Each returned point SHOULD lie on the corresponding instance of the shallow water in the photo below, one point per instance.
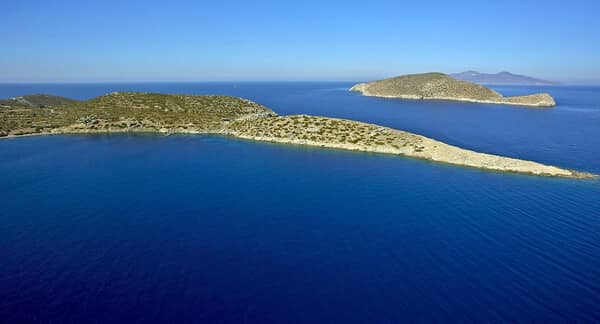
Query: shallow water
(215, 229)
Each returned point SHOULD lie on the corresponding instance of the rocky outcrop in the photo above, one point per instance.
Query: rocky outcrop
(438, 86)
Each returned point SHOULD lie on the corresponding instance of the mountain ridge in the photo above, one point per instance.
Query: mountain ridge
(36, 101)
(500, 78)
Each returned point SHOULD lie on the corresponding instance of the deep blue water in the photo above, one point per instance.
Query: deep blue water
(214, 229)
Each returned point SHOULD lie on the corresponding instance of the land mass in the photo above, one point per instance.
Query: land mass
(439, 86)
(35, 101)
(501, 78)
(230, 116)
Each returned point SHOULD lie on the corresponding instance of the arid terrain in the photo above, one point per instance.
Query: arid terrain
(439, 86)
(181, 114)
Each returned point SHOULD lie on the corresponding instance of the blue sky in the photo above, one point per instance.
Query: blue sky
(74, 41)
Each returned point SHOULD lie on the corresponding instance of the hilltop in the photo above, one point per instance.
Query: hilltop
(131, 112)
(180, 114)
(439, 86)
(501, 78)
(35, 101)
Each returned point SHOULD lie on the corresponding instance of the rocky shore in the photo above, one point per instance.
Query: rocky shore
(357, 136)
(438, 86)
(170, 114)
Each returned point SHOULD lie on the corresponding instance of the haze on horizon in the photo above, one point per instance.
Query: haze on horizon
(88, 41)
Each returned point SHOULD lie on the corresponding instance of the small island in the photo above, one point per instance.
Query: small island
(439, 86)
(130, 112)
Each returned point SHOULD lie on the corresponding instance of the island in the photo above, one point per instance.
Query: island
(129, 112)
(500, 78)
(439, 86)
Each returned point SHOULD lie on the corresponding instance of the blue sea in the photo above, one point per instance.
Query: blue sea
(209, 229)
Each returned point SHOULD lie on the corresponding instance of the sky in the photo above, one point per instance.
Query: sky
(228, 40)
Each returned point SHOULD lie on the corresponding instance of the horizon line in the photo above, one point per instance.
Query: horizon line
(557, 83)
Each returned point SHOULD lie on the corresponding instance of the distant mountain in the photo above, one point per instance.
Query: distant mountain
(499, 78)
(35, 101)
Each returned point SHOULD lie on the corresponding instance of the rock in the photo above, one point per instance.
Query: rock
(88, 120)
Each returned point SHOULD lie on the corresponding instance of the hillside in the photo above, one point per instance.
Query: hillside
(501, 78)
(131, 111)
(439, 86)
(35, 101)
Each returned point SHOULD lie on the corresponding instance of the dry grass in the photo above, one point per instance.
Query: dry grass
(131, 110)
(324, 130)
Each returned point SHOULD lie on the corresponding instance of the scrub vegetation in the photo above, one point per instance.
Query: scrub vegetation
(181, 114)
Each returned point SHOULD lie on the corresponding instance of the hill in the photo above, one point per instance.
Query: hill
(131, 112)
(35, 101)
(501, 78)
(439, 86)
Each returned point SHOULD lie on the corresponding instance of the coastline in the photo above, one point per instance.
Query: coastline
(509, 165)
(438, 86)
(577, 175)
(123, 113)
(494, 102)
(419, 147)
(108, 132)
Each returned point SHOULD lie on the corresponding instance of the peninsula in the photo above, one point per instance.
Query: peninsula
(439, 86)
(230, 116)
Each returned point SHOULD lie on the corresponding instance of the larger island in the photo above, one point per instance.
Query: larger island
(439, 86)
(128, 112)
(500, 78)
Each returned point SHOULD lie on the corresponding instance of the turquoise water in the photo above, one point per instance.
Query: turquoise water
(214, 229)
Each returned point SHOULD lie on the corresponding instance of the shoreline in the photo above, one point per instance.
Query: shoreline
(469, 100)
(147, 113)
(439, 86)
(559, 172)
(108, 132)
(577, 175)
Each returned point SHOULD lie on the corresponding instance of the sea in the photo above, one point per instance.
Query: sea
(211, 229)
